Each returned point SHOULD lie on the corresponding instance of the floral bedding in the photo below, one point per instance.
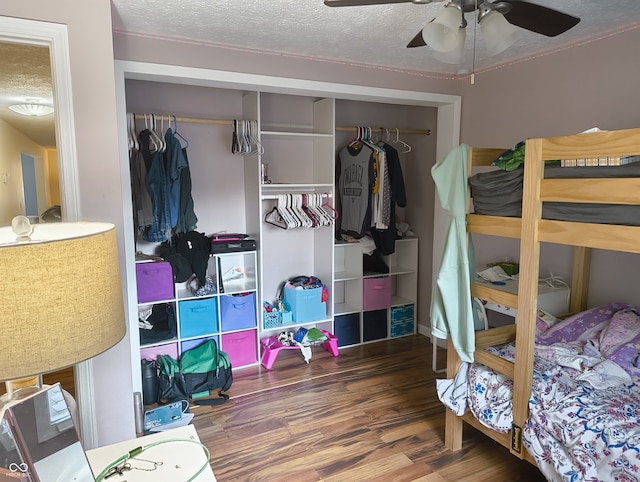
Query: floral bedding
(584, 420)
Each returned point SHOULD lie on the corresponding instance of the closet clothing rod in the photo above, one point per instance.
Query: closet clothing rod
(421, 132)
(229, 122)
(191, 120)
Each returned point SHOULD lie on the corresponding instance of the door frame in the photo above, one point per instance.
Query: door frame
(447, 133)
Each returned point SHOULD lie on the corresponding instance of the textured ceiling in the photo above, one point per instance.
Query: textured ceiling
(26, 74)
(368, 35)
(374, 34)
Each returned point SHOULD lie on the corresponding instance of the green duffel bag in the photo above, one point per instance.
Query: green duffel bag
(201, 371)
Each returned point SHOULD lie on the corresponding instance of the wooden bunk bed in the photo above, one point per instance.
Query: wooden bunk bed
(532, 230)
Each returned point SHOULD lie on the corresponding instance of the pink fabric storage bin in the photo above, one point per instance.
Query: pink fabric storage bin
(241, 346)
(152, 352)
(376, 293)
(154, 282)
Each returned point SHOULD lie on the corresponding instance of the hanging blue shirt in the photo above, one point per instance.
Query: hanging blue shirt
(174, 162)
(160, 229)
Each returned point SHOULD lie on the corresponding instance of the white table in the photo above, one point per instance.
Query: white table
(180, 460)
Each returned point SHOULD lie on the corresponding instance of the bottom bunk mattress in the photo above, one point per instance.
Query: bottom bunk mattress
(584, 422)
(499, 193)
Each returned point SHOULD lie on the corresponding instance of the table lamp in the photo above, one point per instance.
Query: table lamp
(61, 295)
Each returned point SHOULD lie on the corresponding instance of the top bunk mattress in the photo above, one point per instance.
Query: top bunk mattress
(499, 193)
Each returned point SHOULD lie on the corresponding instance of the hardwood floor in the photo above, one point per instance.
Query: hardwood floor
(370, 414)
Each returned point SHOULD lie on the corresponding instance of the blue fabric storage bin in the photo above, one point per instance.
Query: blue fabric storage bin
(402, 320)
(238, 312)
(198, 317)
(305, 305)
(347, 329)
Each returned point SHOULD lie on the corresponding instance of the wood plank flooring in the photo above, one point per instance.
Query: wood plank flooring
(370, 414)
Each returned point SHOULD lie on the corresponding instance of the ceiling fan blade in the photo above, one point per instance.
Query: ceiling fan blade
(357, 3)
(539, 19)
(417, 41)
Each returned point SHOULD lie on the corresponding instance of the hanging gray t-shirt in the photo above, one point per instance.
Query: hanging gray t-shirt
(354, 187)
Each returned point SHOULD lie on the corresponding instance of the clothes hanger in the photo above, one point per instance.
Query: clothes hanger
(244, 138)
(327, 221)
(366, 138)
(325, 204)
(131, 132)
(256, 146)
(162, 133)
(399, 141)
(177, 134)
(355, 142)
(157, 139)
(235, 145)
(314, 216)
(153, 145)
(302, 215)
(284, 211)
(291, 209)
(315, 202)
(273, 217)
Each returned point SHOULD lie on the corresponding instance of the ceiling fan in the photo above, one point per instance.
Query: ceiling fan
(446, 32)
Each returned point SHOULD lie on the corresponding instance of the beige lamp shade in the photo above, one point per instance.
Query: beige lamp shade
(61, 297)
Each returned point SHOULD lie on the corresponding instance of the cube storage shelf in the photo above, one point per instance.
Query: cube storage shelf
(228, 316)
(374, 306)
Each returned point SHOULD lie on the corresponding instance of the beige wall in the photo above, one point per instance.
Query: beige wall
(53, 177)
(592, 85)
(192, 55)
(12, 144)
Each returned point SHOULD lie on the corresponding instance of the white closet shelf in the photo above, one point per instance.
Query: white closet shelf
(400, 301)
(345, 309)
(272, 189)
(345, 276)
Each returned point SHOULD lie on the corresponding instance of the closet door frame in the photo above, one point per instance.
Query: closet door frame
(447, 137)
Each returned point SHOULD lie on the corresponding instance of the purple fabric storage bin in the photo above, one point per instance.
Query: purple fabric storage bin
(189, 344)
(154, 282)
(238, 312)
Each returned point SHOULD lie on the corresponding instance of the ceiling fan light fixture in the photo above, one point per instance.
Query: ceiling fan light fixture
(32, 110)
(441, 34)
(498, 34)
(456, 55)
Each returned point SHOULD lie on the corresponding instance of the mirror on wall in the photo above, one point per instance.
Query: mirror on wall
(29, 183)
(36, 53)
